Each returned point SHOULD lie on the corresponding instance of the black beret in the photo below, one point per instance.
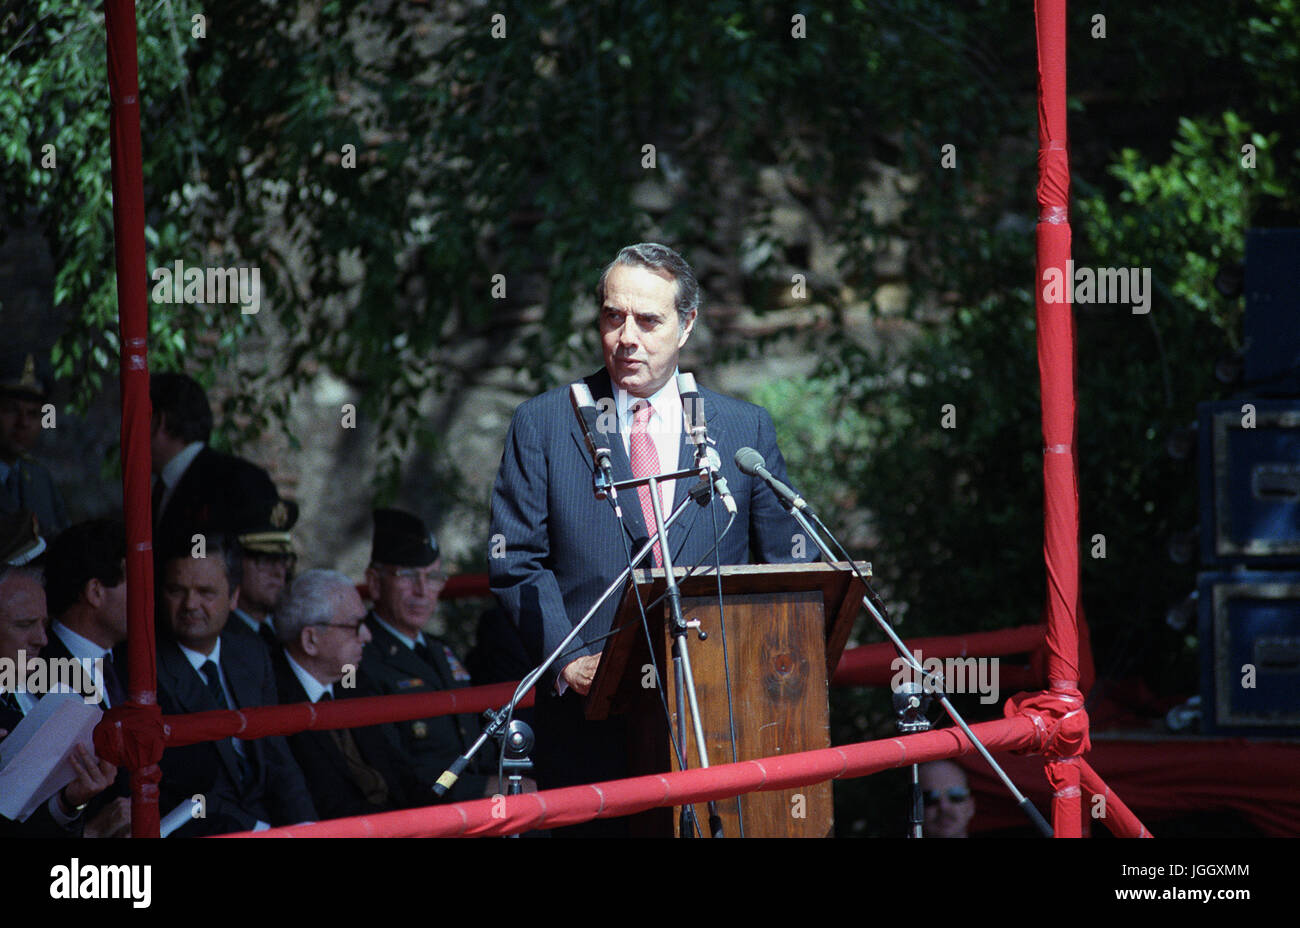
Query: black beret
(402, 540)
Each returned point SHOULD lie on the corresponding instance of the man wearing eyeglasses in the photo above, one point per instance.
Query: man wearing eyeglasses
(404, 580)
(349, 771)
(949, 806)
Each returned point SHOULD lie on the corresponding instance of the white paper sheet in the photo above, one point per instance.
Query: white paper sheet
(34, 762)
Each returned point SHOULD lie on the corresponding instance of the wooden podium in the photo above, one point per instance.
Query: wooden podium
(786, 625)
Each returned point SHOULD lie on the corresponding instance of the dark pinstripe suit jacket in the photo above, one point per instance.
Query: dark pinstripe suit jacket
(562, 546)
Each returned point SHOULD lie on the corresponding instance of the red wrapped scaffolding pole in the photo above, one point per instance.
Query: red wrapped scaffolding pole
(133, 321)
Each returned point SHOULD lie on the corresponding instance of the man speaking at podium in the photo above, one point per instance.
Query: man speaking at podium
(555, 547)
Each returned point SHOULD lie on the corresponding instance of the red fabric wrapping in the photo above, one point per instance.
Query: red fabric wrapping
(1038, 660)
(130, 735)
(1063, 775)
(557, 808)
(1118, 817)
(1056, 351)
(1163, 777)
(1058, 717)
(871, 664)
(344, 713)
(133, 320)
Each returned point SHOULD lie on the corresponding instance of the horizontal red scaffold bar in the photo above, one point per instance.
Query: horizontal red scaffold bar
(558, 808)
(262, 721)
(873, 664)
(869, 664)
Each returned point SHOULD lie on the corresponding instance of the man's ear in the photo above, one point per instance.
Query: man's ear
(93, 593)
(687, 328)
(307, 641)
(234, 599)
(372, 584)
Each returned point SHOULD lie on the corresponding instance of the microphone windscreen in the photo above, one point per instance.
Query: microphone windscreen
(749, 461)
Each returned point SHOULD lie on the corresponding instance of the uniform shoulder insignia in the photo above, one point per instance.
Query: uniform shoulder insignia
(409, 683)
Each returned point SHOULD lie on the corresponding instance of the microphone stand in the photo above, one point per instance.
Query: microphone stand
(877, 610)
(684, 678)
(910, 703)
(500, 718)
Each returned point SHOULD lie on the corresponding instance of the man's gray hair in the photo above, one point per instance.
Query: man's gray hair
(308, 601)
(660, 259)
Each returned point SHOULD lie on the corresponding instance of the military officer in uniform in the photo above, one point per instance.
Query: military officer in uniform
(25, 484)
(404, 579)
(263, 529)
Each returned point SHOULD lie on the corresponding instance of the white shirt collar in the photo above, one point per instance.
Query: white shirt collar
(313, 687)
(198, 659)
(666, 403)
(404, 639)
(78, 645)
(174, 469)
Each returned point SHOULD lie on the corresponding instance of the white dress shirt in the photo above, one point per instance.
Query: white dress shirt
(84, 650)
(314, 688)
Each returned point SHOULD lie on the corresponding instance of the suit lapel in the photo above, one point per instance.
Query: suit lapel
(681, 532)
(236, 664)
(191, 695)
(602, 391)
(399, 655)
(290, 691)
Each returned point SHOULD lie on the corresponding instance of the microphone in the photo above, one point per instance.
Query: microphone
(584, 407)
(751, 462)
(693, 412)
(698, 433)
(713, 462)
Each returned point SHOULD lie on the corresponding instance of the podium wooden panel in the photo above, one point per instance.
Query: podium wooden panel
(786, 626)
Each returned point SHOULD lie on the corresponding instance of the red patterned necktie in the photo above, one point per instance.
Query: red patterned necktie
(645, 463)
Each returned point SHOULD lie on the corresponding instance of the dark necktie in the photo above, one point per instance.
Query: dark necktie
(267, 636)
(423, 653)
(213, 675)
(367, 779)
(14, 486)
(645, 463)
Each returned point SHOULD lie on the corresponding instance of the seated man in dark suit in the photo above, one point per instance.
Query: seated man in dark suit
(262, 529)
(404, 579)
(243, 785)
(197, 488)
(22, 637)
(85, 585)
(350, 771)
